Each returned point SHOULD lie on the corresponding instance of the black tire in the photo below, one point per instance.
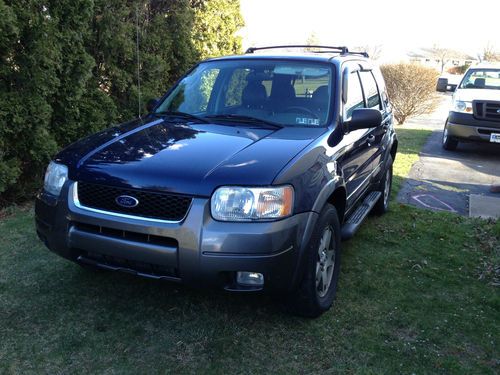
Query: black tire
(448, 142)
(307, 300)
(385, 186)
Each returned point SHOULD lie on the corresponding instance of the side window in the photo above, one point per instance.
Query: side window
(354, 95)
(370, 89)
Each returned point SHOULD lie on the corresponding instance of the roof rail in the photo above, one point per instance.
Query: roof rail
(364, 54)
(326, 49)
(342, 50)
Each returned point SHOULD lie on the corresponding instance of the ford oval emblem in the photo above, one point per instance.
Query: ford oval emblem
(126, 201)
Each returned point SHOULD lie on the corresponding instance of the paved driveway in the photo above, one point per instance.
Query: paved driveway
(456, 181)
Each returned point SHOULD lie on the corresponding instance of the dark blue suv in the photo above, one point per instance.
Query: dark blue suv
(246, 175)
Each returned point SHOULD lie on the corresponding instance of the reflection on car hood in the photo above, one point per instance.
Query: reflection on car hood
(468, 95)
(189, 158)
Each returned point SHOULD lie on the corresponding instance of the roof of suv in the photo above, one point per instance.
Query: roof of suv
(321, 53)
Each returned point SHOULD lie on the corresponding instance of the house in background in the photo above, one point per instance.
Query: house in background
(441, 59)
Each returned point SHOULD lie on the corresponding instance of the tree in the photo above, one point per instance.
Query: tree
(443, 55)
(69, 68)
(215, 25)
(411, 89)
(29, 57)
(312, 40)
(490, 53)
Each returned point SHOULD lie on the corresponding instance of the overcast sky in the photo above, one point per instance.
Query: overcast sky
(399, 26)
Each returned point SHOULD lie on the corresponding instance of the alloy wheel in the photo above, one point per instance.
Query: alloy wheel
(325, 263)
(387, 187)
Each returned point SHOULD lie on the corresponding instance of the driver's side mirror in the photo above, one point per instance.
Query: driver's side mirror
(364, 118)
(151, 104)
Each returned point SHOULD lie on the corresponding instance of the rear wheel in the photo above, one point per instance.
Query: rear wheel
(382, 205)
(448, 143)
(317, 290)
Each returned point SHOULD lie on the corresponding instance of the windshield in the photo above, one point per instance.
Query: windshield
(285, 93)
(482, 79)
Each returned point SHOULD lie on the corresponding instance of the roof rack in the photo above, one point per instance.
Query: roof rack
(326, 49)
(342, 50)
(364, 54)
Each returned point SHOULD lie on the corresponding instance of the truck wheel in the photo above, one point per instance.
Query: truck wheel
(449, 143)
(317, 290)
(385, 185)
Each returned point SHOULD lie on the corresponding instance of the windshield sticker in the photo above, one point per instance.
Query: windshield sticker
(307, 121)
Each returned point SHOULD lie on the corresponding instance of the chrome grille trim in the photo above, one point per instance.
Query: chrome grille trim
(73, 194)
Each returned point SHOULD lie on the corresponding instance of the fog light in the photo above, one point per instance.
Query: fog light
(250, 278)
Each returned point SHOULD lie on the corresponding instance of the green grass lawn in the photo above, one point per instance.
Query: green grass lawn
(418, 293)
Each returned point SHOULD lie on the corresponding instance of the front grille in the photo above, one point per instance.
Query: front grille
(487, 110)
(146, 269)
(162, 206)
(126, 235)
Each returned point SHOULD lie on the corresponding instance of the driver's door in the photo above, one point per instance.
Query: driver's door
(357, 163)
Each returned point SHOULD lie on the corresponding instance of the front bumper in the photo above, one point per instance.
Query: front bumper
(465, 126)
(198, 251)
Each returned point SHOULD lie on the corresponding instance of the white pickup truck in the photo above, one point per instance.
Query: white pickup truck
(475, 112)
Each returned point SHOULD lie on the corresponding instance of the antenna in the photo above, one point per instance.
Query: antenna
(138, 62)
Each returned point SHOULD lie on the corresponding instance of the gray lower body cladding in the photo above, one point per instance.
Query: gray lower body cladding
(198, 251)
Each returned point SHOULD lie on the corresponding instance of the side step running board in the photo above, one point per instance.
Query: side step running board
(353, 222)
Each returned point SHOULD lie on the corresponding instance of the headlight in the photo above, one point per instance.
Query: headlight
(247, 204)
(55, 177)
(461, 106)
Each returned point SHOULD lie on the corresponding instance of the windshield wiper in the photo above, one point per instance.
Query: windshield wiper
(244, 120)
(184, 115)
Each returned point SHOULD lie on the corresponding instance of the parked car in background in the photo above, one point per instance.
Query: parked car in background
(246, 175)
(475, 112)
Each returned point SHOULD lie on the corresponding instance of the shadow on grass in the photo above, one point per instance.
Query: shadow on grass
(410, 141)
(401, 307)
(117, 291)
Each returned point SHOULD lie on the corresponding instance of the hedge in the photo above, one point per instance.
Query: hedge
(68, 68)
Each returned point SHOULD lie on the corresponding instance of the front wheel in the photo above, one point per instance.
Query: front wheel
(448, 142)
(317, 290)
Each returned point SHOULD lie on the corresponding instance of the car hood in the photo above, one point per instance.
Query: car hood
(184, 158)
(468, 95)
